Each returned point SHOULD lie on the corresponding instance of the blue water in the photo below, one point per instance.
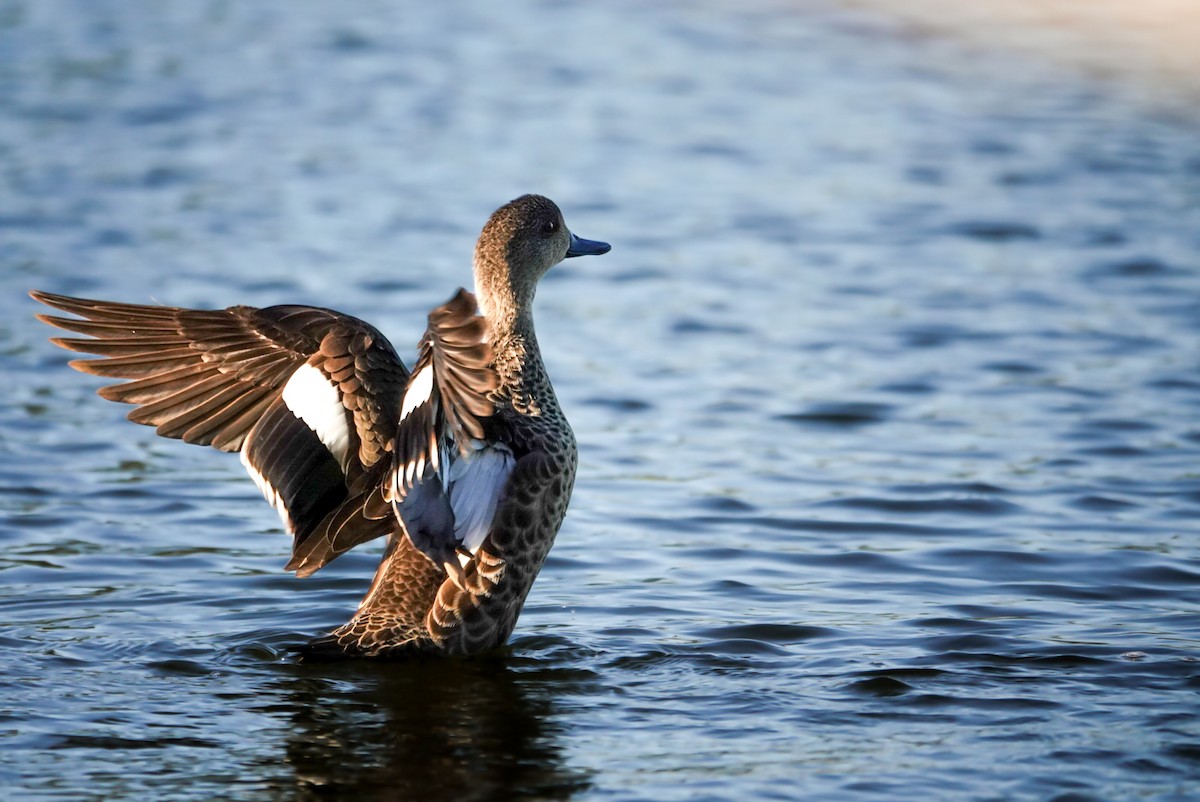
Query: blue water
(887, 399)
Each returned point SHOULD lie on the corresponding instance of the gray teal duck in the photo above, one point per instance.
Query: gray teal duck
(465, 463)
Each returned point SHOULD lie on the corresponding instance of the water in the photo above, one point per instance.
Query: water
(887, 402)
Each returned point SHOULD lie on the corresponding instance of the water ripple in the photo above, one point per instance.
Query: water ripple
(886, 400)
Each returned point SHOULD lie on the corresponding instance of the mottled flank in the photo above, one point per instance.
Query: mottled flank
(466, 466)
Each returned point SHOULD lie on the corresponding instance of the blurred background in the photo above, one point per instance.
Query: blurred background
(886, 395)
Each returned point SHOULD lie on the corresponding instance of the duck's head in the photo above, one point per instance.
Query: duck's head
(522, 240)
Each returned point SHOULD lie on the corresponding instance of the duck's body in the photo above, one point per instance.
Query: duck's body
(466, 464)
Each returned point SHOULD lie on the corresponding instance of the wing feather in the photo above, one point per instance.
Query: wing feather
(217, 377)
(445, 480)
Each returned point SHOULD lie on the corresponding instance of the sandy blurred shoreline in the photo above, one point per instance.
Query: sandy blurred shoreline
(1148, 47)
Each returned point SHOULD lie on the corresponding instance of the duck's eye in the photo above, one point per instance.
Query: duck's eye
(550, 227)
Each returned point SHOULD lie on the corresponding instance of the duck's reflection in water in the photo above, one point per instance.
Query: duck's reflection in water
(431, 729)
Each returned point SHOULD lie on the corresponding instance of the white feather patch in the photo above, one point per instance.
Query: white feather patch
(269, 492)
(476, 482)
(313, 398)
(420, 387)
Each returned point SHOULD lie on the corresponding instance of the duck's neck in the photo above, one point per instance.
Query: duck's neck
(509, 313)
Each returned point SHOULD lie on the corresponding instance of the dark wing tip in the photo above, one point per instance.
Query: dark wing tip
(67, 343)
(87, 307)
(56, 322)
(65, 323)
(49, 298)
(303, 568)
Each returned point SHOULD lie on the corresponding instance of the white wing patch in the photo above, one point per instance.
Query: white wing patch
(420, 391)
(270, 493)
(313, 398)
(420, 387)
(475, 483)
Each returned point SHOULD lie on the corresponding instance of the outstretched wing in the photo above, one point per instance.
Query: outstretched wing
(307, 395)
(447, 477)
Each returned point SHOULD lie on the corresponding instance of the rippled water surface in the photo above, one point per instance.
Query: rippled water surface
(887, 399)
